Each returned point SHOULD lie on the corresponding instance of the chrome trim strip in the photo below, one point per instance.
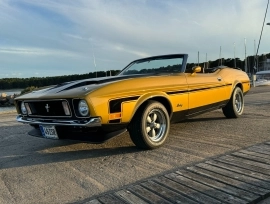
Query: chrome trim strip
(92, 122)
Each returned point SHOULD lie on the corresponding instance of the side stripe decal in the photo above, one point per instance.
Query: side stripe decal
(193, 90)
(115, 105)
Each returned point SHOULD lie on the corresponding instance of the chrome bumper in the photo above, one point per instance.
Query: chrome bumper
(92, 122)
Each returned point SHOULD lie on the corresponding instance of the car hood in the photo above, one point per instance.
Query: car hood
(78, 88)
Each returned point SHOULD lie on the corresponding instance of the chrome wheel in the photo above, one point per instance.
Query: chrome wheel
(150, 125)
(155, 125)
(238, 103)
(235, 106)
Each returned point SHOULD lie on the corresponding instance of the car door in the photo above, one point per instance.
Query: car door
(205, 91)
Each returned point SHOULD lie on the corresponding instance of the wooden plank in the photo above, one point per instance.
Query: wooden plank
(212, 192)
(245, 195)
(246, 161)
(147, 195)
(263, 146)
(189, 192)
(257, 154)
(240, 170)
(261, 149)
(230, 181)
(95, 201)
(110, 199)
(251, 157)
(239, 163)
(129, 197)
(234, 175)
(167, 193)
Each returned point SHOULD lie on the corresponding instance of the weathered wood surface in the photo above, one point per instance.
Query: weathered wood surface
(241, 177)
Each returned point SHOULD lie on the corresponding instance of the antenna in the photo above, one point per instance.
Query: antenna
(94, 59)
(245, 55)
(220, 56)
(198, 58)
(95, 64)
(234, 56)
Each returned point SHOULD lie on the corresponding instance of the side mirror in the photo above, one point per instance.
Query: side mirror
(196, 69)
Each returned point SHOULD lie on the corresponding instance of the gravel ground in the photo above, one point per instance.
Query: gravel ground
(36, 170)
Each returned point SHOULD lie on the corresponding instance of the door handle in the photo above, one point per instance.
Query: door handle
(219, 78)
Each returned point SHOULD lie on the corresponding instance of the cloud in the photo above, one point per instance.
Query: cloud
(64, 35)
(36, 51)
(77, 37)
(138, 53)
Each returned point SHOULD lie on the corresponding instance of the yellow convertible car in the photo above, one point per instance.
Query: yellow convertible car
(143, 99)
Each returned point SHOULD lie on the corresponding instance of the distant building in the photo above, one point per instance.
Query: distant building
(264, 65)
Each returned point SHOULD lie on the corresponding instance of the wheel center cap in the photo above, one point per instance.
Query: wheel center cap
(153, 125)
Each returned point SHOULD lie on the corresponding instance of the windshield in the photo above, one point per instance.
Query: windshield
(155, 65)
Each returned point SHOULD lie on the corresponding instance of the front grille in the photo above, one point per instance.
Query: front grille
(53, 108)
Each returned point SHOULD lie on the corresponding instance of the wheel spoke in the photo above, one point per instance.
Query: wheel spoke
(153, 133)
(149, 119)
(238, 103)
(154, 117)
(157, 125)
(148, 129)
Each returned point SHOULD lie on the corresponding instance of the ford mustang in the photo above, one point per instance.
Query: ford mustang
(144, 99)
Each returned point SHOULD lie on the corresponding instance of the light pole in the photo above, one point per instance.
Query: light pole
(254, 76)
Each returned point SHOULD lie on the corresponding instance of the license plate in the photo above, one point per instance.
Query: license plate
(48, 132)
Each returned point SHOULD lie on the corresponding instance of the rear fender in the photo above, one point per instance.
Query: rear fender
(237, 83)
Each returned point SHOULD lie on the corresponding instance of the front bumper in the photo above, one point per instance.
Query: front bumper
(92, 122)
(90, 130)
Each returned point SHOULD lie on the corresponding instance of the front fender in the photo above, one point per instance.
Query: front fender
(130, 108)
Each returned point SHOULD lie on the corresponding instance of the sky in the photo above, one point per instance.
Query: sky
(40, 38)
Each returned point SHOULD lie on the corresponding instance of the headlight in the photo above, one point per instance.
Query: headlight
(23, 109)
(83, 108)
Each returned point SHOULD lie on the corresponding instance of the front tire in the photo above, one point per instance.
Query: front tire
(235, 106)
(150, 126)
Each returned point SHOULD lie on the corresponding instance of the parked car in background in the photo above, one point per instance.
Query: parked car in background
(144, 99)
(263, 78)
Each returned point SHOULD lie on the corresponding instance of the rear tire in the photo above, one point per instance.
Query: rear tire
(150, 126)
(235, 106)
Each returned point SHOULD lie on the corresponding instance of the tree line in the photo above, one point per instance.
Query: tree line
(22, 83)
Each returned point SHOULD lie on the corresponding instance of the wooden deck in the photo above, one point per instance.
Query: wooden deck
(240, 177)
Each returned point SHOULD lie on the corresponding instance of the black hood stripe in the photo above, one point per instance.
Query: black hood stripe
(98, 81)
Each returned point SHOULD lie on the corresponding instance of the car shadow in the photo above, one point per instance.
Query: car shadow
(37, 158)
(21, 150)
